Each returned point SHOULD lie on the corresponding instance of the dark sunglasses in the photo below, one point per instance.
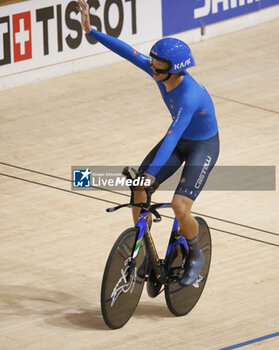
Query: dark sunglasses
(159, 71)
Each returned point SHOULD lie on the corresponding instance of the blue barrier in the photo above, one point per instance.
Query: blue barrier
(181, 15)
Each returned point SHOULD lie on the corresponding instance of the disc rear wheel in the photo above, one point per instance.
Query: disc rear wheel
(181, 300)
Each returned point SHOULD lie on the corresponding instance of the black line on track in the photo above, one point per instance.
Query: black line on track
(245, 104)
(230, 233)
(251, 238)
(238, 224)
(107, 201)
(126, 195)
(56, 177)
(59, 188)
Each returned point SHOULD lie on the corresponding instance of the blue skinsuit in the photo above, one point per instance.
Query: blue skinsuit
(191, 108)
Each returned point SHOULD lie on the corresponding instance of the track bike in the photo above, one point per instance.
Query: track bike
(134, 260)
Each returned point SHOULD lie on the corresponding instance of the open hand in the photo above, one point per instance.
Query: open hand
(83, 8)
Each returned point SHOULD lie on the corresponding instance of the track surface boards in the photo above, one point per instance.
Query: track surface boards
(54, 243)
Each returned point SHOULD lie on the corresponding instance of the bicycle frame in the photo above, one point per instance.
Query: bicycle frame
(144, 233)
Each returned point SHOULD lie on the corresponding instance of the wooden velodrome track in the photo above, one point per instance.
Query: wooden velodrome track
(54, 243)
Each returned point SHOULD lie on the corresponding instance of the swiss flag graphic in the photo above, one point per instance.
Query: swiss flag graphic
(22, 36)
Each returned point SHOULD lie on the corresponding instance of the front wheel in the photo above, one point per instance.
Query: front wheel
(181, 300)
(122, 284)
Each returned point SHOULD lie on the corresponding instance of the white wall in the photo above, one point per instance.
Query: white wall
(26, 67)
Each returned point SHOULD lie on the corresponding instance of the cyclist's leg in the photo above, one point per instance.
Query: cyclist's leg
(200, 157)
(200, 160)
(182, 206)
(140, 196)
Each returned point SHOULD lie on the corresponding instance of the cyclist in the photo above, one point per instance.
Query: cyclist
(192, 136)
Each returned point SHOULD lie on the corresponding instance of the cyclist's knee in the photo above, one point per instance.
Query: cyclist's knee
(181, 205)
(139, 195)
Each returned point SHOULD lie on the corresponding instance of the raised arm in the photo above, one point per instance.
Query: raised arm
(118, 46)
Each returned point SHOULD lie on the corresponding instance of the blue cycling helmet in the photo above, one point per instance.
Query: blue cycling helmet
(175, 53)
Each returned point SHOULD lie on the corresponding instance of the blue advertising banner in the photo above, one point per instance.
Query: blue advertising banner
(181, 15)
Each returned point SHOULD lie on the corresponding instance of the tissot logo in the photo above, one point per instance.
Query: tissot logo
(57, 28)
